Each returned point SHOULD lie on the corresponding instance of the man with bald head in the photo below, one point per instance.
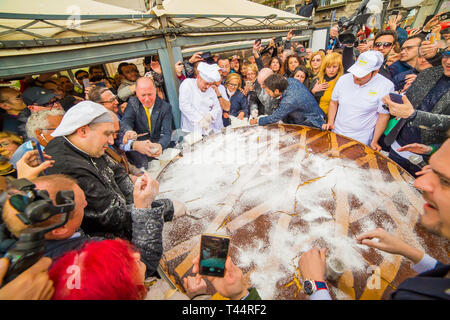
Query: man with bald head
(259, 99)
(146, 126)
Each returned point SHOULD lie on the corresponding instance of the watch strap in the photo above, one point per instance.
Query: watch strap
(321, 285)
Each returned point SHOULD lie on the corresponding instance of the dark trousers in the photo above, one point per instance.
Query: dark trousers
(404, 163)
(137, 159)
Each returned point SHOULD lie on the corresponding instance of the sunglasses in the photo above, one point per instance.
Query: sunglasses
(383, 44)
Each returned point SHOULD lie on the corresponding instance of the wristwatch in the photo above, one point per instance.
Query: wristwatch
(219, 96)
(311, 286)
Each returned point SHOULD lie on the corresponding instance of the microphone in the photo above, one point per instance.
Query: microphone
(417, 160)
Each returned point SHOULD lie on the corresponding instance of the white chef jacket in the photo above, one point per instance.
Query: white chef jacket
(195, 104)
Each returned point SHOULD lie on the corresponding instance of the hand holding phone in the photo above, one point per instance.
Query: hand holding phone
(213, 255)
(431, 37)
(86, 83)
(395, 97)
(444, 16)
(206, 55)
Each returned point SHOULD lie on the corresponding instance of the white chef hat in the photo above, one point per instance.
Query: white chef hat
(209, 72)
(83, 113)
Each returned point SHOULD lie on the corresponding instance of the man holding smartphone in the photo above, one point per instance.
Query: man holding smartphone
(426, 108)
(363, 119)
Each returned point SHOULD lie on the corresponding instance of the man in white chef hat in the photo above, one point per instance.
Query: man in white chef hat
(199, 104)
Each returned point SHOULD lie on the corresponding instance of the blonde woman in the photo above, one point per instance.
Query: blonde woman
(315, 63)
(322, 87)
(238, 101)
(9, 142)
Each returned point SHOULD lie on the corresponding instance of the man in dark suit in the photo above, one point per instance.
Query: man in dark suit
(146, 126)
(432, 281)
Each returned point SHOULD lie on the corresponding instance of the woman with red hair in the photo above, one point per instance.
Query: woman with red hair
(100, 270)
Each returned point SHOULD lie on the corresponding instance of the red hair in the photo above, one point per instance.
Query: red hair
(100, 270)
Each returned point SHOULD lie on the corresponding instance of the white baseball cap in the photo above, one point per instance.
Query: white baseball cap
(367, 62)
(83, 113)
(209, 72)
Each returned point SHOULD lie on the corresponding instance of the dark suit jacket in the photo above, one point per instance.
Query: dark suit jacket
(135, 118)
(429, 285)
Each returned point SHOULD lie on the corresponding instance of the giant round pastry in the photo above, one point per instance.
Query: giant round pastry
(279, 190)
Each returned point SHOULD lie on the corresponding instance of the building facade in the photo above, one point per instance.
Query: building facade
(412, 17)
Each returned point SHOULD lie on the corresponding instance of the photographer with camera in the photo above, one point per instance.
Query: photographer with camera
(32, 284)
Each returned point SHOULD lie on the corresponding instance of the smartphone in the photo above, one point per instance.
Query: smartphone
(296, 32)
(37, 146)
(86, 83)
(444, 16)
(394, 13)
(257, 41)
(206, 55)
(431, 37)
(395, 97)
(213, 255)
(278, 40)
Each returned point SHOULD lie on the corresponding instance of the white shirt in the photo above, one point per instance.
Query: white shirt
(359, 106)
(195, 104)
(223, 92)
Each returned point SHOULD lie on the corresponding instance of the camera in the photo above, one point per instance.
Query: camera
(33, 206)
(349, 27)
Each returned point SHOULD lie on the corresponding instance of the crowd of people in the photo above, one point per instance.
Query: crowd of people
(98, 135)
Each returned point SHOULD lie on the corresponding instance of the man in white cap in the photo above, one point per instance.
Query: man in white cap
(356, 107)
(199, 105)
(78, 149)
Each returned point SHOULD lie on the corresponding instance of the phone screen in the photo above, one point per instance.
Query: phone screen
(206, 55)
(86, 83)
(213, 255)
(257, 41)
(444, 16)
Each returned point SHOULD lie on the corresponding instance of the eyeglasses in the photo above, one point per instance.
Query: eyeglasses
(232, 85)
(407, 48)
(110, 100)
(383, 44)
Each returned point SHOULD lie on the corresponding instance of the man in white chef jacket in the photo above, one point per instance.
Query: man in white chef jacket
(201, 112)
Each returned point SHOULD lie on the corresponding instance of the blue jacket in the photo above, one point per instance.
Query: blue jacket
(238, 103)
(299, 104)
(429, 285)
(399, 79)
(135, 118)
(399, 67)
